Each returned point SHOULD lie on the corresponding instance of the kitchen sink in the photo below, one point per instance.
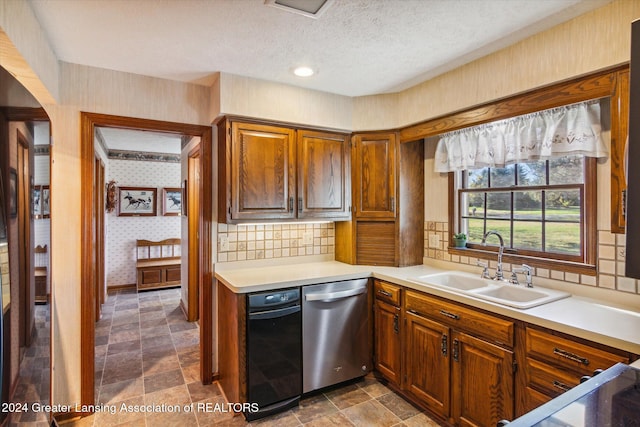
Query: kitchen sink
(454, 280)
(500, 292)
(518, 296)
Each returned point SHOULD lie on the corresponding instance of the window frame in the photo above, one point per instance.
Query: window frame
(584, 263)
(610, 82)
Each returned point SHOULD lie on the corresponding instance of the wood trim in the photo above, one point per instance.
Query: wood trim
(115, 288)
(596, 85)
(297, 126)
(619, 133)
(24, 114)
(89, 121)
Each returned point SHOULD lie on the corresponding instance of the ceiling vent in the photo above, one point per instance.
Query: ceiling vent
(310, 8)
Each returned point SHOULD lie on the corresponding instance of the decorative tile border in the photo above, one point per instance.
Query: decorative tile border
(143, 156)
(611, 259)
(249, 242)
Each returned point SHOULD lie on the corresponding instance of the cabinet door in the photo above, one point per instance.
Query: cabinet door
(427, 362)
(375, 175)
(324, 186)
(262, 172)
(482, 381)
(387, 347)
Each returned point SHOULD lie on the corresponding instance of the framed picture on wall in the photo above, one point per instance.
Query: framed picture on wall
(44, 201)
(37, 201)
(185, 198)
(137, 201)
(13, 193)
(171, 201)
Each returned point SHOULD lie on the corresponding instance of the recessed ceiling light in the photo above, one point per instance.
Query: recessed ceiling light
(303, 71)
(309, 8)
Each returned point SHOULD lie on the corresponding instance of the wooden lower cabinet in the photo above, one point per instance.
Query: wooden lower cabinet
(387, 341)
(457, 376)
(554, 364)
(482, 382)
(428, 363)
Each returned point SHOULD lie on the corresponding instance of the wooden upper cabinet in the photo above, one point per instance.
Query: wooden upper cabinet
(274, 172)
(262, 172)
(375, 175)
(324, 161)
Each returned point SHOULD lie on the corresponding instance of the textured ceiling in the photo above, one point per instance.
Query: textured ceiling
(359, 47)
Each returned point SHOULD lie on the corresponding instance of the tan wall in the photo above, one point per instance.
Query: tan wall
(274, 101)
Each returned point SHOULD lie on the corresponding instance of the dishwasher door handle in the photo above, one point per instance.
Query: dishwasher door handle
(274, 314)
(332, 296)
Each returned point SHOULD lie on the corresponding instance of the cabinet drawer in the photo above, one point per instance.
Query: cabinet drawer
(580, 358)
(549, 380)
(480, 324)
(387, 292)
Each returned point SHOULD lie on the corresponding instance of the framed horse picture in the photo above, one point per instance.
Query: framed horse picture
(137, 201)
(171, 201)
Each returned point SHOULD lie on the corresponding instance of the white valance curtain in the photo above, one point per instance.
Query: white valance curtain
(569, 130)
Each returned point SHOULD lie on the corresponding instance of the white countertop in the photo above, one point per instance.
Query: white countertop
(579, 316)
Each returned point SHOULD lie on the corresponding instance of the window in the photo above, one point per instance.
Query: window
(542, 209)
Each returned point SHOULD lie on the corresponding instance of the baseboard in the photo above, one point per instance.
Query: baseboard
(115, 288)
(61, 418)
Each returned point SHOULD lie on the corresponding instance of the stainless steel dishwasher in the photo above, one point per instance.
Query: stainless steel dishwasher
(335, 333)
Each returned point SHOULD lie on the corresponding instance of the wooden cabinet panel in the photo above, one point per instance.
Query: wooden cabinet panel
(387, 341)
(375, 178)
(151, 276)
(491, 327)
(323, 175)
(173, 274)
(376, 243)
(262, 171)
(428, 362)
(482, 382)
(550, 381)
(567, 354)
(387, 292)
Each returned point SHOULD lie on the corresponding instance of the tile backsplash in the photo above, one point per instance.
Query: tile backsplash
(611, 259)
(249, 242)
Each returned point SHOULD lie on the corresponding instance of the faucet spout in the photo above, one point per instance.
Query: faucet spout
(499, 274)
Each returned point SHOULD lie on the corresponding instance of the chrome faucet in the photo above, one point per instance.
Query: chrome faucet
(499, 275)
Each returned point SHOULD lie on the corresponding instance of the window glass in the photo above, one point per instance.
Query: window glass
(537, 207)
(503, 177)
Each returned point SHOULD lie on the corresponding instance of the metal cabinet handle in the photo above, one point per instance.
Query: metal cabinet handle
(456, 350)
(449, 315)
(443, 345)
(299, 203)
(383, 292)
(560, 385)
(571, 356)
(396, 326)
(290, 204)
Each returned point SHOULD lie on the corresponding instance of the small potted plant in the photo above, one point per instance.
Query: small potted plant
(459, 240)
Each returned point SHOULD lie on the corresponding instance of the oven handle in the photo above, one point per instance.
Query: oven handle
(333, 296)
(273, 314)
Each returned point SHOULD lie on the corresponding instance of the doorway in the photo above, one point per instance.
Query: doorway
(90, 122)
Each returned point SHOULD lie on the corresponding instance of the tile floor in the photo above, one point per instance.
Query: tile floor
(34, 382)
(147, 354)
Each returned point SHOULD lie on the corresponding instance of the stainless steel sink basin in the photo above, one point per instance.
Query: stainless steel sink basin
(498, 292)
(518, 296)
(454, 280)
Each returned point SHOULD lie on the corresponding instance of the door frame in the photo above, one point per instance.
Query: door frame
(88, 124)
(194, 167)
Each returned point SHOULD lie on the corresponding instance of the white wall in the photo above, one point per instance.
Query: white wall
(122, 231)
